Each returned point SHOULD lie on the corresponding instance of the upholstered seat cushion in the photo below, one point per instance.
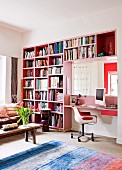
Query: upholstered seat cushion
(8, 120)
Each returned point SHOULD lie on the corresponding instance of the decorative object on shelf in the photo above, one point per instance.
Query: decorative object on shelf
(24, 114)
(103, 53)
(77, 102)
(110, 49)
(73, 99)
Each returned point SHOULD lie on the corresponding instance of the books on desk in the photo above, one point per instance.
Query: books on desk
(110, 107)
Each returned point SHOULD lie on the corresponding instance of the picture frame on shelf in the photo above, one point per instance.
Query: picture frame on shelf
(73, 100)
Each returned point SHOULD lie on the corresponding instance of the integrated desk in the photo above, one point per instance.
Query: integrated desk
(107, 117)
(104, 111)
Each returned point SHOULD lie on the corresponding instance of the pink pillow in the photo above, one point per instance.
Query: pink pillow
(3, 112)
(11, 113)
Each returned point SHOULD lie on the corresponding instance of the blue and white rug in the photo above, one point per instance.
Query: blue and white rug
(56, 155)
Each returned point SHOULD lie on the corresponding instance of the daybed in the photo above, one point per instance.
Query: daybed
(8, 114)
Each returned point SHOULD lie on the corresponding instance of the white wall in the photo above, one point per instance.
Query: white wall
(10, 42)
(11, 46)
(98, 22)
(2, 78)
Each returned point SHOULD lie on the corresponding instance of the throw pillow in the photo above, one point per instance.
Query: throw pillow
(3, 112)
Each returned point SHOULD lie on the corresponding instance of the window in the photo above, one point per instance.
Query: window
(110, 78)
(112, 83)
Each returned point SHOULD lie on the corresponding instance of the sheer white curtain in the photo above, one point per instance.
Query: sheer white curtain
(8, 80)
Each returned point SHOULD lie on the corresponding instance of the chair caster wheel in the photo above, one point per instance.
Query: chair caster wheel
(92, 140)
(79, 140)
(71, 135)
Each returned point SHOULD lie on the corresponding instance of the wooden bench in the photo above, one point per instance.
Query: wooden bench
(31, 127)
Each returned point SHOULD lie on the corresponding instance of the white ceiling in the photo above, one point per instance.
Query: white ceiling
(24, 15)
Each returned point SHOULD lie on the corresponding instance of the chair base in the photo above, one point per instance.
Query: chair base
(84, 134)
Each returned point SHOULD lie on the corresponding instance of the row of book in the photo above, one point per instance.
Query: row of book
(71, 54)
(57, 60)
(41, 63)
(58, 107)
(29, 83)
(55, 70)
(87, 40)
(56, 82)
(41, 95)
(43, 51)
(56, 48)
(41, 73)
(55, 95)
(71, 43)
(29, 63)
(29, 54)
(87, 52)
(75, 42)
(56, 120)
(29, 73)
(41, 84)
(29, 94)
(42, 105)
(28, 104)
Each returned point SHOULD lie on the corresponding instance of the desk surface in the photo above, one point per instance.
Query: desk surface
(104, 111)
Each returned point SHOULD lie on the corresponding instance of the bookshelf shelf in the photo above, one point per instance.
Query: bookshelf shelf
(40, 90)
(41, 57)
(56, 112)
(28, 78)
(28, 87)
(29, 99)
(47, 69)
(55, 101)
(60, 88)
(41, 77)
(30, 68)
(41, 100)
(70, 48)
(87, 45)
(55, 127)
(55, 74)
(55, 55)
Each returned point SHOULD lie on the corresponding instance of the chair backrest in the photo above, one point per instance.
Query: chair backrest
(77, 115)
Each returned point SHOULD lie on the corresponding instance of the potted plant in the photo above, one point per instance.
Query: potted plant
(24, 114)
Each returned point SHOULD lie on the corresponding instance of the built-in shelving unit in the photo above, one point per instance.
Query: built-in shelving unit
(47, 72)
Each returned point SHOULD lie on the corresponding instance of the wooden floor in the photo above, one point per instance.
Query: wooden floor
(15, 144)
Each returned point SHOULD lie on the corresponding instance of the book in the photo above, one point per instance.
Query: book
(60, 47)
(56, 49)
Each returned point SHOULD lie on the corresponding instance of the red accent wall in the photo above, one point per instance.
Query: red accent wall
(108, 67)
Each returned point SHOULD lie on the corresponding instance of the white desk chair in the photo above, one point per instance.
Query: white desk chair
(84, 118)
